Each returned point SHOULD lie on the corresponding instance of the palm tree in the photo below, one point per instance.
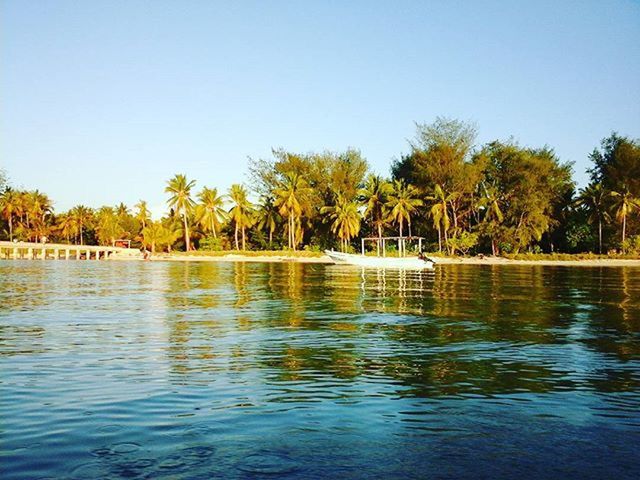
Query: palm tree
(346, 220)
(624, 202)
(82, 216)
(440, 214)
(268, 217)
(493, 214)
(67, 226)
(241, 213)
(179, 189)
(403, 201)
(210, 211)
(9, 208)
(593, 199)
(143, 215)
(375, 196)
(108, 227)
(291, 196)
(156, 235)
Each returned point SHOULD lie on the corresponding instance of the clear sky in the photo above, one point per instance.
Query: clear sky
(103, 101)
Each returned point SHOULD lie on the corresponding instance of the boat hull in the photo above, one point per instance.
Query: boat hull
(410, 263)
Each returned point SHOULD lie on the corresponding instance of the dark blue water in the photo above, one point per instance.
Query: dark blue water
(172, 370)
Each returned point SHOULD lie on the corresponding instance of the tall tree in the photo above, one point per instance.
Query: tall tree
(440, 213)
(67, 226)
(108, 225)
(291, 195)
(143, 215)
(403, 202)
(9, 207)
(179, 189)
(594, 199)
(346, 220)
(623, 204)
(528, 183)
(375, 196)
(241, 212)
(210, 211)
(82, 216)
(268, 217)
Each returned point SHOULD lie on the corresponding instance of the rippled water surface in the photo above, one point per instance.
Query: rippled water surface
(173, 370)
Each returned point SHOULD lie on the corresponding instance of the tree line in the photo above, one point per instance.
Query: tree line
(464, 198)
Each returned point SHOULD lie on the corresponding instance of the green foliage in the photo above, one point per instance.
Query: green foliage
(463, 243)
(529, 184)
(462, 197)
(210, 244)
(631, 245)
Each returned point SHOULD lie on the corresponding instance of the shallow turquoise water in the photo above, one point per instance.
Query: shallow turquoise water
(173, 370)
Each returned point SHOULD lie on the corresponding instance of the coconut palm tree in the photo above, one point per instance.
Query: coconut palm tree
(143, 215)
(623, 204)
(440, 214)
(67, 226)
(82, 216)
(9, 208)
(108, 226)
(375, 196)
(493, 214)
(346, 220)
(241, 213)
(292, 194)
(403, 201)
(593, 199)
(179, 189)
(155, 235)
(210, 212)
(267, 216)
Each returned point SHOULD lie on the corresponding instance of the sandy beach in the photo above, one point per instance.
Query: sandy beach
(323, 259)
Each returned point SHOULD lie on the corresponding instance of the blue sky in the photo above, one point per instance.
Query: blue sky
(103, 101)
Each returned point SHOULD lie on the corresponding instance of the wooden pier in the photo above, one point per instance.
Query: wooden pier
(60, 251)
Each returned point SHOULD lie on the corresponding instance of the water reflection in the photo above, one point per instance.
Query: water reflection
(288, 351)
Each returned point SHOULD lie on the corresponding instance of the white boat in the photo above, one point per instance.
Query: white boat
(412, 263)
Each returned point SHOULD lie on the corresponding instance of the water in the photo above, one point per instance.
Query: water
(173, 370)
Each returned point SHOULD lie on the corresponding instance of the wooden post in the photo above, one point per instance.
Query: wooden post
(420, 244)
(362, 246)
(66, 253)
(15, 253)
(384, 248)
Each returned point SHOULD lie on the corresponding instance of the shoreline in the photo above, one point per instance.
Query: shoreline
(323, 259)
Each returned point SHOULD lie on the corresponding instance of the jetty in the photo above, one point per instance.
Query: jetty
(61, 251)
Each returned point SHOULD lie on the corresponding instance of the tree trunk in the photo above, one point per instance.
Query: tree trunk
(186, 232)
(81, 240)
(624, 227)
(446, 241)
(439, 240)
(493, 247)
(11, 228)
(410, 235)
(243, 245)
(213, 228)
(600, 236)
(236, 235)
(270, 237)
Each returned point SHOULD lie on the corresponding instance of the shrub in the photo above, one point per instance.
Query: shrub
(211, 244)
(464, 242)
(631, 245)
